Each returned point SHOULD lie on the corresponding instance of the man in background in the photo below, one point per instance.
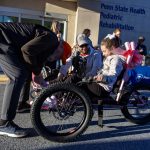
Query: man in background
(142, 48)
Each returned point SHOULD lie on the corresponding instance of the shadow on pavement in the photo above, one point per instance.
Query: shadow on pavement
(111, 145)
(32, 132)
(118, 132)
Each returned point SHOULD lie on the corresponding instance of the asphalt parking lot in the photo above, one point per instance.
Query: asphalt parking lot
(117, 134)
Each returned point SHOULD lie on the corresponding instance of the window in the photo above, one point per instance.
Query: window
(26, 20)
(8, 19)
(48, 24)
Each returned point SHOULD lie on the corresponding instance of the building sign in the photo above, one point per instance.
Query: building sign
(131, 16)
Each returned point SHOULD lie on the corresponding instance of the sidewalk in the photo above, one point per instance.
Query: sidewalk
(3, 78)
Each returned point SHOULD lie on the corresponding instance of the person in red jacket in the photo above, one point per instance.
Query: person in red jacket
(24, 48)
(66, 53)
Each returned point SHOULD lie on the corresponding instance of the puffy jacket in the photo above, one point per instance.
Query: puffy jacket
(112, 67)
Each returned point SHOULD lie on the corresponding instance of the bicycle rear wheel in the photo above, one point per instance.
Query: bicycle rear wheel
(137, 109)
(67, 118)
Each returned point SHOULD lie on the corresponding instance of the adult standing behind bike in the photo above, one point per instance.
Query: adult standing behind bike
(23, 50)
(142, 49)
(92, 57)
(87, 33)
(56, 28)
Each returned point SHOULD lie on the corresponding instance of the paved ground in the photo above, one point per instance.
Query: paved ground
(117, 134)
(3, 78)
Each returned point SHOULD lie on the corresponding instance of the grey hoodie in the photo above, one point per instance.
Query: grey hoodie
(112, 67)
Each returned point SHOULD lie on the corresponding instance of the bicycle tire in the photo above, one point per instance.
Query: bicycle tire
(126, 110)
(40, 128)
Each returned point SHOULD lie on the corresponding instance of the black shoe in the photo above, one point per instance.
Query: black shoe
(12, 130)
(23, 107)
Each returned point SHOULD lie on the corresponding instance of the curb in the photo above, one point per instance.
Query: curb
(3, 78)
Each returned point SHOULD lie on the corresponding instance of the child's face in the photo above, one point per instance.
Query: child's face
(106, 52)
(118, 33)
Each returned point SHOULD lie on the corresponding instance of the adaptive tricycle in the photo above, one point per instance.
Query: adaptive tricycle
(72, 109)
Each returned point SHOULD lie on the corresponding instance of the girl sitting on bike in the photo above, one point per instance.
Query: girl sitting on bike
(112, 67)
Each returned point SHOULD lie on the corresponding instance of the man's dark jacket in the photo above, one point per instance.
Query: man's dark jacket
(33, 43)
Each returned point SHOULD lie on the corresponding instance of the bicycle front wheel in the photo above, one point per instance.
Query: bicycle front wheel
(67, 117)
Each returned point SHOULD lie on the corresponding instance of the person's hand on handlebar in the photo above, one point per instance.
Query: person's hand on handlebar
(60, 76)
(38, 81)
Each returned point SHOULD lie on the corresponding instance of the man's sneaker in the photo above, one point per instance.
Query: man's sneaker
(23, 107)
(12, 130)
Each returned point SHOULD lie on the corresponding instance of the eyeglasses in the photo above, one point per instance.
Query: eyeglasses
(84, 45)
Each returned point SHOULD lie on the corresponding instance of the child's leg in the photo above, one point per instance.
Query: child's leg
(97, 90)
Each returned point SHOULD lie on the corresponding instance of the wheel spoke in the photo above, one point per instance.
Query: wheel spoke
(70, 115)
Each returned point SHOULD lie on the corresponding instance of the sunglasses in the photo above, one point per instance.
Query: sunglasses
(84, 45)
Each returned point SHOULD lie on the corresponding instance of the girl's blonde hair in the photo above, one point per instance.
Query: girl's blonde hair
(55, 27)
